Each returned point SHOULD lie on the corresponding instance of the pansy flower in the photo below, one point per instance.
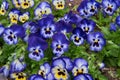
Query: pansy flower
(83, 10)
(36, 47)
(5, 70)
(87, 25)
(1, 29)
(16, 3)
(113, 27)
(71, 18)
(42, 9)
(12, 34)
(101, 65)
(17, 65)
(45, 69)
(19, 76)
(14, 16)
(80, 67)
(59, 44)
(96, 41)
(47, 26)
(92, 7)
(69, 64)
(78, 36)
(25, 4)
(83, 77)
(64, 27)
(109, 6)
(117, 21)
(59, 69)
(3, 8)
(59, 4)
(36, 77)
(24, 17)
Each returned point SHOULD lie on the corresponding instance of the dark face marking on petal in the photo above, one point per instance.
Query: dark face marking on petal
(10, 38)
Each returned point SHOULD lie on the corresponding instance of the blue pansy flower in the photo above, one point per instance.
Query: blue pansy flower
(45, 70)
(59, 4)
(25, 4)
(109, 6)
(113, 27)
(14, 16)
(63, 26)
(24, 17)
(16, 3)
(69, 64)
(80, 66)
(47, 26)
(36, 47)
(71, 18)
(5, 70)
(42, 8)
(78, 36)
(12, 34)
(33, 27)
(83, 77)
(17, 66)
(117, 21)
(87, 25)
(19, 76)
(36, 77)
(59, 69)
(1, 29)
(3, 8)
(83, 10)
(101, 65)
(92, 7)
(96, 41)
(59, 44)
(30, 27)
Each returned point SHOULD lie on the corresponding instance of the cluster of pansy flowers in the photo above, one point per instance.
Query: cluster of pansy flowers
(58, 70)
(45, 27)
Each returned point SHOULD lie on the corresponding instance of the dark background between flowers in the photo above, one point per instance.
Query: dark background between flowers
(110, 54)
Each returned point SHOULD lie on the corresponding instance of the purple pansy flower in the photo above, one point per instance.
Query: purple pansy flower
(87, 25)
(83, 77)
(113, 27)
(17, 65)
(59, 70)
(71, 18)
(42, 9)
(92, 7)
(96, 41)
(59, 4)
(80, 67)
(47, 26)
(5, 70)
(18, 76)
(45, 70)
(36, 77)
(78, 36)
(24, 17)
(12, 34)
(59, 44)
(118, 20)
(83, 10)
(16, 3)
(63, 26)
(3, 8)
(36, 47)
(109, 6)
(14, 16)
(1, 29)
